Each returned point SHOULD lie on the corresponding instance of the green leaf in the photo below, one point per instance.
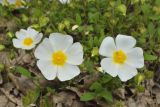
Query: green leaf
(151, 29)
(106, 78)
(2, 66)
(31, 97)
(89, 65)
(23, 71)
(93, 17)
(66, 23)
(78, 19)
(96, 86)
(95, 51)
(149, 57)
(158, 31)
(122, 8)
(107, 95)
(2, 47)
(140, 88)
(149, 74)
(87, 96)
(134, 1)
(43, 21)
(45, 102)
(50, 90)
(139, 78)
(146, 8)
(157, 2)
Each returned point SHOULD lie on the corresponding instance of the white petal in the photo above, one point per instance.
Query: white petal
(48, 69)
(28, 47)
(75, 54)
(64, 1)
(38, 38)
(107, 47)
(68, 72)
(21, 34)
(31, 32)
(126, 72)
(44, 50)
(135, 57)
(60, 41)
(125, 42)
(108, 66)
(17, 43)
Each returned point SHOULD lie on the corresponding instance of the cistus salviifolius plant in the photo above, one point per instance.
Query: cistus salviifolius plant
(82, 52)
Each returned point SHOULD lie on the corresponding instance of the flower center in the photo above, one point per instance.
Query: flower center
(18, 3)
(59, 58)
(119, 57)
(28, 41)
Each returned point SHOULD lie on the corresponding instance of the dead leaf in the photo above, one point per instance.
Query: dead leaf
(3, 101)
(77, 103)
(12, 98)
(1, 79)
(5, 59)
(66, 98)
(10, 104)
(89, 79)
(22, 83)
(27, 58)
(131, 103)
(120, 93)
(8, 86)
(75, 89)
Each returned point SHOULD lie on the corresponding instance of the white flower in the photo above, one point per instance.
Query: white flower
(27, 39)
(59, 56)
(122, 57)
(64, 1)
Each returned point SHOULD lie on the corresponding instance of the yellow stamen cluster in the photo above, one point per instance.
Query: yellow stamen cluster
(59, 58)
(18, 3)
(28, 41)
(119, 57)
